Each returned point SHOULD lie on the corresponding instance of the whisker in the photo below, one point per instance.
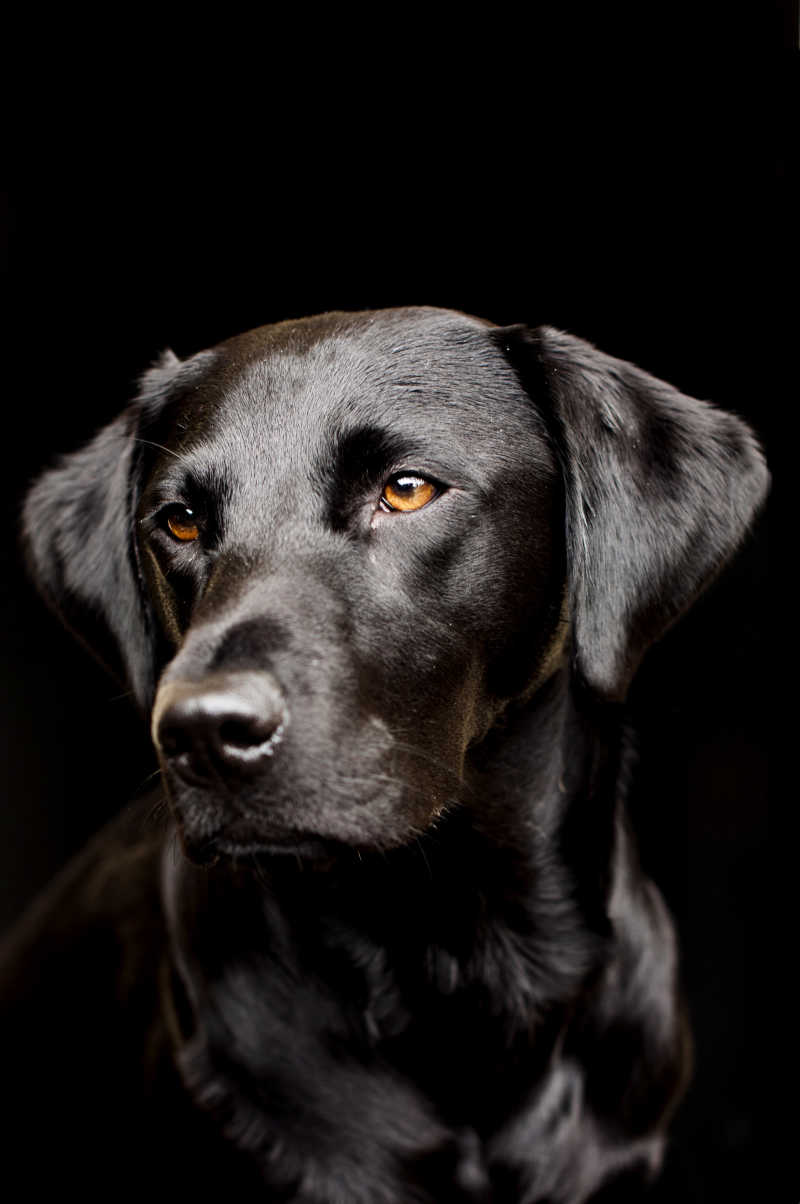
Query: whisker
(182, 459)
(157, 809)
(149, 778)
(258, 869)
(421, 848)
(461, 785)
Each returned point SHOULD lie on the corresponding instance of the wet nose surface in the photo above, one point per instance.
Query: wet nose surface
(228, 723)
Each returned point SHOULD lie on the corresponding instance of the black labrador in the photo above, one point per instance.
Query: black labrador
(382, 580)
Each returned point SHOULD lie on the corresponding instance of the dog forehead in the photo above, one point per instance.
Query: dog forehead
(375, 333)
(429, 376)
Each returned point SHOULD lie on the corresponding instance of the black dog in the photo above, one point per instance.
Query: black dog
(383, 579)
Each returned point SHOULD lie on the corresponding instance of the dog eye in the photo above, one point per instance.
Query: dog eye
(406, 491)
(182, 523)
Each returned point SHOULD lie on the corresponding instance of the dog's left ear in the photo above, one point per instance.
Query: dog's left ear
(660, 491)
(78, 537)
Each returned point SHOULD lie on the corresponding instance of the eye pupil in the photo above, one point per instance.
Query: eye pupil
(408, 492)
(182, 524)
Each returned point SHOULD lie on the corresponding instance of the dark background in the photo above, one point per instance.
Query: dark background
(657, 229)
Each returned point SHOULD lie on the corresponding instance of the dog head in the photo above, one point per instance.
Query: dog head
(329, 553)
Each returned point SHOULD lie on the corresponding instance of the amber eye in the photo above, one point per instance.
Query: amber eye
(407, 492)
(182, 523)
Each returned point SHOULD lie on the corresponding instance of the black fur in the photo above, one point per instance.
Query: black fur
(402, 950)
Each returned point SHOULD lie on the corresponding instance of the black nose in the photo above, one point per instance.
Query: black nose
(226, 723)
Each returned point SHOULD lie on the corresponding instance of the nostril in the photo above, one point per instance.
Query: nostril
(246, 732)
(241, 732)
(172, 740)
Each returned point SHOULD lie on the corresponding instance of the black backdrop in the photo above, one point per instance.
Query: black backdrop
(659, 239)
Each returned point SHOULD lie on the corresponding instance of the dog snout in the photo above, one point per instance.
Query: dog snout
(227, 724)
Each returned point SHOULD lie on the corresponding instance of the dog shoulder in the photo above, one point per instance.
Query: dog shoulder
(97, 923)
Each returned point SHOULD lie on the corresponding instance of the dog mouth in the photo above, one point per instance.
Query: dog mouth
(207, 848)
(293, 844)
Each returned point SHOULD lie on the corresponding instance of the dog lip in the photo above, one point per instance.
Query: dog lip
(206, 844)
(297, 844)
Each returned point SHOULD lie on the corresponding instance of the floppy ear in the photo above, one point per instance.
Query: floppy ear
(660, 488)
(79, 539)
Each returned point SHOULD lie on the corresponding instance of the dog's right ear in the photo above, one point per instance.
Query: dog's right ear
(78, 526)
